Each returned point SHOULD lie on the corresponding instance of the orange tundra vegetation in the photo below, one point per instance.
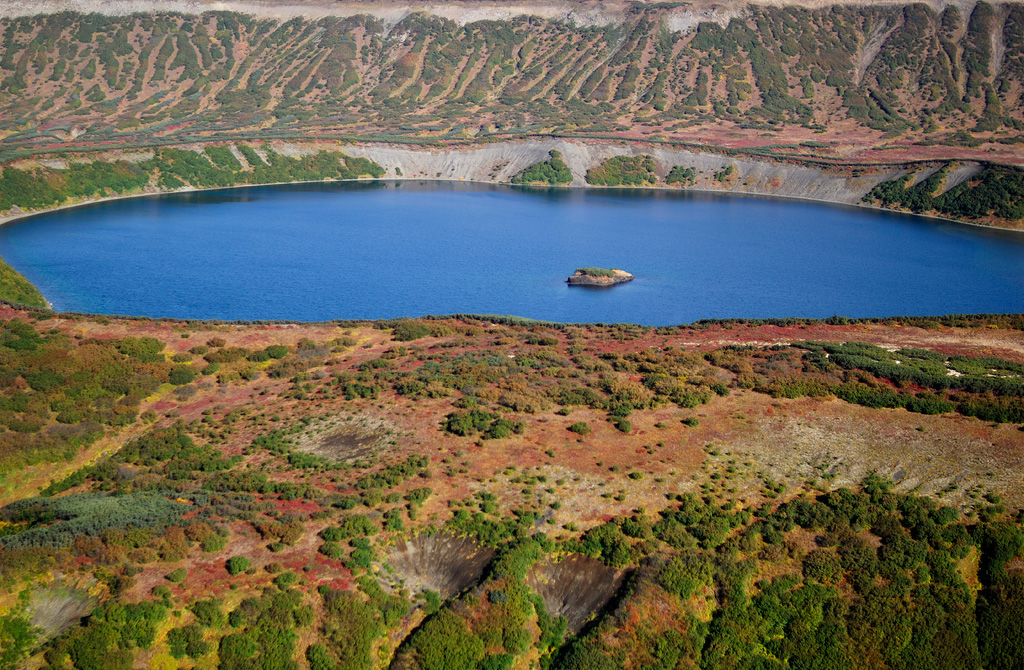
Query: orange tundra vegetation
(488, 492)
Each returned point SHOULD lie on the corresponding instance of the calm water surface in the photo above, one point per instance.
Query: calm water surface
(391, 249)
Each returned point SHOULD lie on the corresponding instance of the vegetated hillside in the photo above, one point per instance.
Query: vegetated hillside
(849, 72)
(966, 191)
(992, 191)
(490, 492)
(54, 183)
(16, 289)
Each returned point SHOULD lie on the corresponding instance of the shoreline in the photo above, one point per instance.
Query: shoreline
(395, 181)
(753, 322)
(468, 164)
(723, 192)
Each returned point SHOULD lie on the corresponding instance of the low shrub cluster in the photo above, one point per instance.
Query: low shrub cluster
(553, 171)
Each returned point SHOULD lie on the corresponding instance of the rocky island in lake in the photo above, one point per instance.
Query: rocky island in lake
(598, 277)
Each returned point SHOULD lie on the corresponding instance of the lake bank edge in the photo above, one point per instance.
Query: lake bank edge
(505, 159)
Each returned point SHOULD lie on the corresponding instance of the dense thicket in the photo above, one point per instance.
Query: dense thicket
(877, 578)
(215, 166)
(553, 171)
(57, 522)
(849, 604)
(220, 72)
(995, 191)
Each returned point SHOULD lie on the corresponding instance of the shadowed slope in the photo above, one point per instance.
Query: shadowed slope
(440, 562)
(576, 587)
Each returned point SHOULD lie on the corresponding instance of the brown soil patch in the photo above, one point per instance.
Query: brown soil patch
(342, 438)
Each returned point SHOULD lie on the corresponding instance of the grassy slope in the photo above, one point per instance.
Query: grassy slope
(15, 288)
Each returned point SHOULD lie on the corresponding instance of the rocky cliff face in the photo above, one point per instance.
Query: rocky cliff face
(500, 161)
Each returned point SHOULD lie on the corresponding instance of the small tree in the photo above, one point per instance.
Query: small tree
(580, 428)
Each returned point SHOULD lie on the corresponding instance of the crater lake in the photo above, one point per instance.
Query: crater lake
(410, 248)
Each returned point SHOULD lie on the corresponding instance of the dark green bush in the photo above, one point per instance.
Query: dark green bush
(237, 564)
(580, 428)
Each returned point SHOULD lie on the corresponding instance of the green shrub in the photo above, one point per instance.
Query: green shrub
(685, 575)
(406, 331)
(687, 176)
(580, 428)
(354, 525)
(444, 643)
(277, 351)
(208, 613)
(622, 425)
(624, 171)
(181, 375)
(214, 543)
(823, 566)
(350, 627)
(553, 171)
(237, 564)
(176, 576)
(17, 638)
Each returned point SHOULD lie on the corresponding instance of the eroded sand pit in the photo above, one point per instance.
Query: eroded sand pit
(440, 562)
(56, 608)
(576, 587)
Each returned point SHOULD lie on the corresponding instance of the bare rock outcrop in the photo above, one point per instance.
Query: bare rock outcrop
(604, 278)
(499, 162)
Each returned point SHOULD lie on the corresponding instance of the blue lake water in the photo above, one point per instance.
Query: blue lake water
(389, 249)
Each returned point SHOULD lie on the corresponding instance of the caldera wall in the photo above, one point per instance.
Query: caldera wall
(499, 162)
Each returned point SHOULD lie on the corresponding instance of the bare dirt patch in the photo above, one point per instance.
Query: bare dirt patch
(830, 443)
(343, 438)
